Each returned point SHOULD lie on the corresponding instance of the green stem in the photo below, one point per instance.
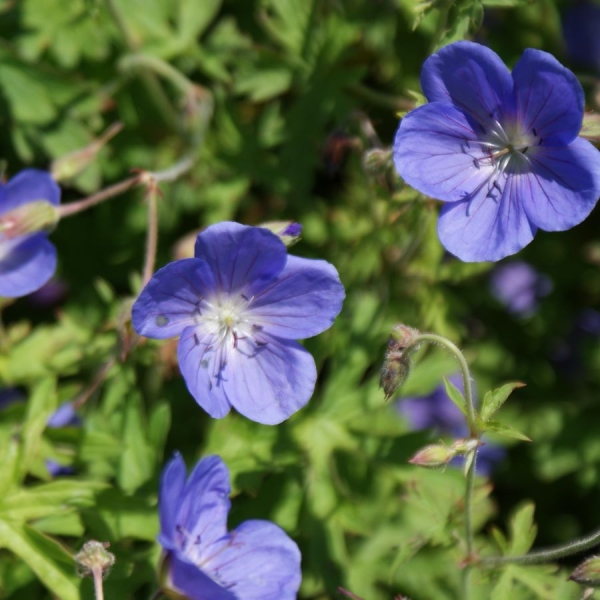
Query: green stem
(160, 67)
(466, 375)
(547, 554)
(473, 430)
(387, 101)
(148, 79)
(469, 533)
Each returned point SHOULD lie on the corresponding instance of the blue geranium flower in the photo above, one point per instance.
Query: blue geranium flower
(500, 149)
(519, 287)
(255, 561)
(27, 258)
(436, 411)
(239, 306)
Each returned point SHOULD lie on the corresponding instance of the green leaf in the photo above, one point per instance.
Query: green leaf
(503, 429)
(29, 99)
(137, 464)
(456, 396)
(47, 559)
(503, 590)
(494, 399)
(194, 17)
(40, 406)
(56, 497)
(10, 451)
(522, 530)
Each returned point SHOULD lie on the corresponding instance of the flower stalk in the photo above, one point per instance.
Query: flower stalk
(545, 555)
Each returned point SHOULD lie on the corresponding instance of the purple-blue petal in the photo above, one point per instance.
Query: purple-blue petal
(196, 585)
(201, 362)
(26, 186)
(549, 98)
(26, 266)
(172, 299)
(563, 186)
(266, 379)
(64, 416)
(258, 562)
(436, 151)
(205, 505)
(172, 484)
(242, 258)
(270, 382)
(485, 228)
(303, 301)
(473, 78)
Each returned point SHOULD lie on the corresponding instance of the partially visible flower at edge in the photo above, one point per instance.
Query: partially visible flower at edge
(255, 561)
(500, 149)
(27, 258)
(238, 307)
(436, 411)
(581, 24)
(519, 287)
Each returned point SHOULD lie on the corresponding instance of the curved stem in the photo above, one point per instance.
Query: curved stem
(546, 554)
(387, 101)
(160, 67)
(67, 210)
(464, 367)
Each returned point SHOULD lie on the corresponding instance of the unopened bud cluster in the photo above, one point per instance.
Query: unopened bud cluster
(398, 362)
(94, 558)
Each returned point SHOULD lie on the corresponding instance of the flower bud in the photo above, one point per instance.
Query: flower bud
(433, 456)
(288, 232)
(93, 557)
(72, 164)
(34, 216)
(377, 161)
(398, 362)
(588, 572)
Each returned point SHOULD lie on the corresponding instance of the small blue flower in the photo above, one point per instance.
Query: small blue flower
(239, 306)
(255, 561)
(519, 287)
(27, 258)
(500, 149)
(436, 411)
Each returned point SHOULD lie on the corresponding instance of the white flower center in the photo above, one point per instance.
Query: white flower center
(500, 151)
(226, 318)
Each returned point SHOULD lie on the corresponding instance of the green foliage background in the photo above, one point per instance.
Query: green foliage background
(300, 89)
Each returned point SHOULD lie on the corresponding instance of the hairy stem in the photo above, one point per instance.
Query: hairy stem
(472, 424)
(466, 375)
(98, 589)
(158, 66)
(545, 554)
(151, 233)
(67, 210)
(151, 83)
